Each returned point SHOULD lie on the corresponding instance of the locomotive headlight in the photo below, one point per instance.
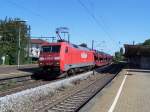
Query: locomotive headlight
(57, 63)
(41, 58)
(57, 58)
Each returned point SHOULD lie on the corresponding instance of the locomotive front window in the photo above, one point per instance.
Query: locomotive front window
(54, 48)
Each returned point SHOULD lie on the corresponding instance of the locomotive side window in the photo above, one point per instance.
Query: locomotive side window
(54, 48)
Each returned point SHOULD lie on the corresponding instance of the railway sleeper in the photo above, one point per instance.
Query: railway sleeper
(65, 110)
(74, 101)
(65, 106)
(60, 110)
(55, 109)
(80, 97)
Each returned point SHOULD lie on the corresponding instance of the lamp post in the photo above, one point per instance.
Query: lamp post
(29, 45)
(19, 35)
(0, 37)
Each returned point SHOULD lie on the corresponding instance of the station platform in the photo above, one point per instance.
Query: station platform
(128, 92)
(8, 71)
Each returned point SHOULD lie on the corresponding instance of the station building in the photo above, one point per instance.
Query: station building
(138, 55)
(35, 48)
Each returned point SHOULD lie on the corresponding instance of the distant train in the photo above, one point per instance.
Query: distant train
(66, 57)
(101, 58)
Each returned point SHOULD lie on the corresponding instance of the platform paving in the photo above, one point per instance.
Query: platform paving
(12, 70)
(134, 97)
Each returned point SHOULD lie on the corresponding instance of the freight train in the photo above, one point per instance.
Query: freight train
(66, 57)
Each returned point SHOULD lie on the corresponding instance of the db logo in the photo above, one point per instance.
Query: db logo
(83, 55)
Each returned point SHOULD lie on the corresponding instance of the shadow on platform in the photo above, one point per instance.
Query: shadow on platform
(139, 70)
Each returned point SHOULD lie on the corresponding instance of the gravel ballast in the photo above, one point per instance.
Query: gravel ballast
(22, 101)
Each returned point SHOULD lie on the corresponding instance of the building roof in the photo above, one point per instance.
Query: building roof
(38, 41)
(137, 50)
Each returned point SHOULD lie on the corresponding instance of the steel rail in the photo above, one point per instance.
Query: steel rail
(76, 99)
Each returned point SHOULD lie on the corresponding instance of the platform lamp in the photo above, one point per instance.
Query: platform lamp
(19, 35)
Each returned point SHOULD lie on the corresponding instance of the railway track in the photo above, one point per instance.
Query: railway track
(74, 99)
(65, 95)
(16, 79)
(15, 84)
(22, 86)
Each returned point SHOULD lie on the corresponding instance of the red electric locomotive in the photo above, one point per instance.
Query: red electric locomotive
(65, 57)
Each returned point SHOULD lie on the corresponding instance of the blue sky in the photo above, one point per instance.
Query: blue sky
(119, 21)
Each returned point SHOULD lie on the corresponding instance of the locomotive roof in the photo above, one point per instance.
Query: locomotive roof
(73, 45)
(80, 47)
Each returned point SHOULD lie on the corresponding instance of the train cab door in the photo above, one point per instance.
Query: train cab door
(68, 57)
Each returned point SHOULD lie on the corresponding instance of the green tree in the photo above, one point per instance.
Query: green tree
(146, 42)
(121, 51)
(9, 38)
(119, 55)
